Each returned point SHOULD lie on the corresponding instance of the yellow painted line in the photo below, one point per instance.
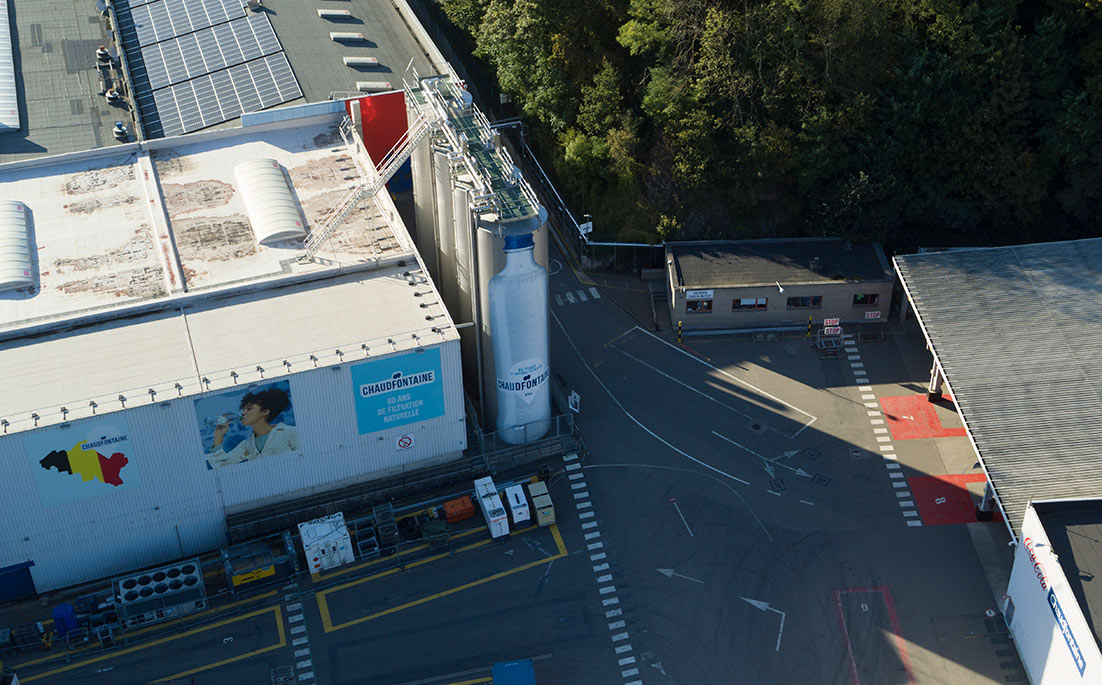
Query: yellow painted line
(424, 600)
(282, 643)
(157, 626)
(473, 682)
(316, 577)
(153, 643)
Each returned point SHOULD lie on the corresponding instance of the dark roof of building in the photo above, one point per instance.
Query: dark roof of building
(1075, 531)
(1018, 333)
(727, 263)
(58, 84)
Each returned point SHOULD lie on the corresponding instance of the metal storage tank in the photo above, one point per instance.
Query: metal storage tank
(16, 268)
(271, 207)
(445, 236)
(424, 201)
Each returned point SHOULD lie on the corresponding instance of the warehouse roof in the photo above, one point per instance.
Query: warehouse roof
(149, 273)
(741, 263)
(1075, 531)
(1018, 334)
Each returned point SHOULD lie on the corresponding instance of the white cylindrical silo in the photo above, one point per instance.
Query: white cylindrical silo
(445, 236)
(518, 321)
(15, 251)
(424, 202)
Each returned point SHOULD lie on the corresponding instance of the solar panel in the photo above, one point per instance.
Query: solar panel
(213, 98)
(197, 63)
(209, 50)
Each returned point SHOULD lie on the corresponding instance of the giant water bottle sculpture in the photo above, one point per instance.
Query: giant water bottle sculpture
(518, 319)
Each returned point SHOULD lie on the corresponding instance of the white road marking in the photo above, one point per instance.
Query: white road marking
(904, 494)
(887, 448)
(595, 293)
(772, 492)
(876, 422)
(683, 520)
(737, 380)
(891, 466)
(864, 388)
(879, 431)
(296, 618)
(914, 524)
(569, 297)
(616, 625)
(609, 602)
(577, 486)
(910, 513)
(613, 612)
(582, 297)
(576, 476)
(883, 438)
(298, 629)
(595, 545)
(626, 660)
(857, 365)
(597, 557)
(629, 672)
(299, 653)
(854, 357)
(868, 396)
(297, 606)
(804, 501)
(570, 457)
(558, 299)
(573, 467)
(899, 485)
(600, 567)
(607, 590)
(304, 664)
(906, 503)
(618, 637)
(581, 495)
(873, 413)
(605, 578)
(586, 515)
(587, 526)
(299, 641)
(583, 505)
(871, 405)
(309, 675)
(895, 474)
(592, 536)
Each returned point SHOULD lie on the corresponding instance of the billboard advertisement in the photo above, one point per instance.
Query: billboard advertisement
(247, 423)
(398, 391)
(87, 459)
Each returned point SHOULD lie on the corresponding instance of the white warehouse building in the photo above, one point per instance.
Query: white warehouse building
(172, 359)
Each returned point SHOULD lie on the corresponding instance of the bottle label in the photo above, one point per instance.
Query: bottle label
(525, 379)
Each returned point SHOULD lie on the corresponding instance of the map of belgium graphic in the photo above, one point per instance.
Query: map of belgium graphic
(88, 464)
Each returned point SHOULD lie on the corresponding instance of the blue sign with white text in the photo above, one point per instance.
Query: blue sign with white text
(1065, 630)
(397, 391)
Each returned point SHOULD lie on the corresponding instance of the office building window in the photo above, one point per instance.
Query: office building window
(698, 306)
(870, 300)
(809, 302)
(748, 303)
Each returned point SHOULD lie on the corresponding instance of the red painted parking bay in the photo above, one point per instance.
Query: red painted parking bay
(944, 500)
(913, 416)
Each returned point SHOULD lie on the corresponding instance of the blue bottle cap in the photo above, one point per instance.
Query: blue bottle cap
(519, 242)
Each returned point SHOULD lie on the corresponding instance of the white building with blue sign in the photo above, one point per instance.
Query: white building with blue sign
(1053, 604)
(169, 366)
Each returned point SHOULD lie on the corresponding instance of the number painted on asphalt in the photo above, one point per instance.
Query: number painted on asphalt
(941, 500)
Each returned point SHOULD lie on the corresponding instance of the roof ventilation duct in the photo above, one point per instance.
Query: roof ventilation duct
(15, 249)
(271, 207)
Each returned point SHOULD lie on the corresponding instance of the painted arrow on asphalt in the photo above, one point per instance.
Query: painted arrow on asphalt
(764, 606)
(767, 463)
(670, 573)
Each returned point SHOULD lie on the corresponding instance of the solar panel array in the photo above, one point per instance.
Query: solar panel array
(197, 63)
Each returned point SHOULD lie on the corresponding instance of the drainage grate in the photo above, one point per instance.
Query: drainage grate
(756, 427)
(776, 485)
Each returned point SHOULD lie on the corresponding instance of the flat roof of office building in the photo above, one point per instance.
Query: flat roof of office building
(1018, 333)
(149, 273)
(744, 263)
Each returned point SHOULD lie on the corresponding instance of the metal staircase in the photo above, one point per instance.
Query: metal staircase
(394, 159)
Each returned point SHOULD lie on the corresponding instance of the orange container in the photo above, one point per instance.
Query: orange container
(458, 509)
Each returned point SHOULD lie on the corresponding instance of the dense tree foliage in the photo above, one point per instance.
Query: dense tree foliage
(911, 122)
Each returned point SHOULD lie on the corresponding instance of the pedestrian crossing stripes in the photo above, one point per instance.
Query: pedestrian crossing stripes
(576, 296)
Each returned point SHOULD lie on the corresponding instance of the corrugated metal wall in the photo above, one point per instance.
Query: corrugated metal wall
(178, 507)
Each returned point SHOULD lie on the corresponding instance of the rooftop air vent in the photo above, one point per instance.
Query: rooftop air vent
(269, 203)
(15, 249)
(816, 264)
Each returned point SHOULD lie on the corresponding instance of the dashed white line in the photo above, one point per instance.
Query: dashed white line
(914, 524)
(619, 637)
(607, 590)
(592, 536)
(883, 438)
(870, 413)
(579, 486)
(616, 625)
(298, 630)
(297, 606)
(306, 676)
(904, 494)
(868, 396)
(569, 297)
(854, 357)
(597, 557)
(876, 422)
(576, 476)
(605, 578)
(629, 672)
(581, 495)
(582, 297)
(296, 618)
(880, 431)
(595, 293)
(804, 501)
(891, 466)
(600, 567)
(887, 448)
(594, 545)
(587, 526)
(865, 388)
(300, 641)
(586, 515)
(304, 664)
(871, 405)
(583, 505)
(910, 513)
(573, 467)
(895, 474)
(627, 659)
(610, 601)
(558, 299)
(897, 484)
(907, 503)
(613, 612)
